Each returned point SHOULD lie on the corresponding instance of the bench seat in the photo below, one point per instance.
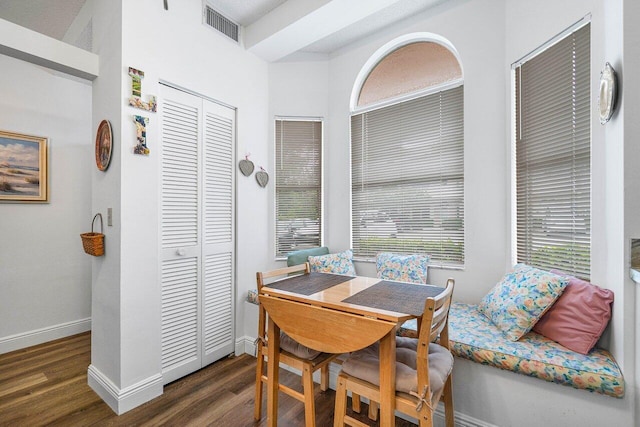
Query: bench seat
(474, 337)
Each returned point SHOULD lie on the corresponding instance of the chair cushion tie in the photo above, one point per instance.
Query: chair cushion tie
(422, 398)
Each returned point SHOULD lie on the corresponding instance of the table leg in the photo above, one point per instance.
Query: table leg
(388, 379)
(273, 362)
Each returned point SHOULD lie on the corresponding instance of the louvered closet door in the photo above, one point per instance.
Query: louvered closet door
(218, 235)
(197, 231)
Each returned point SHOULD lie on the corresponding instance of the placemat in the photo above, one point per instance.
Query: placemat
(308, 284)
(395, 296)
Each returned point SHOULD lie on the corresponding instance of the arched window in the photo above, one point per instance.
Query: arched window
(407, 149)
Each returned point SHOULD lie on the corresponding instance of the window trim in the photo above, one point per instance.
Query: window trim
(361, 78)
(389, 47)
(407, 97)
(320, 119)
(513, 229)
(441, 264)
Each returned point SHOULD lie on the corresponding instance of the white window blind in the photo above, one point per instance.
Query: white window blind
(407, 175)
(553, 156)
(298, 184)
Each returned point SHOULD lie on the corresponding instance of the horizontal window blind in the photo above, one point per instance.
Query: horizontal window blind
(553, 156)
(298, 185)
(407, 175)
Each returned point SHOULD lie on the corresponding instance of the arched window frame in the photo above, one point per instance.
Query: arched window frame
(355, 110)
(382, 53)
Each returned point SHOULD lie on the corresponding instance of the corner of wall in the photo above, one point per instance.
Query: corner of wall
(123, 400)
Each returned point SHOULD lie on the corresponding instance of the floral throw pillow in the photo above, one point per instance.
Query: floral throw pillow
(340, 263)
(403, 268)
(516, 303)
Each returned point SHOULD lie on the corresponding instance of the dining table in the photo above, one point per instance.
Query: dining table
(339, 314)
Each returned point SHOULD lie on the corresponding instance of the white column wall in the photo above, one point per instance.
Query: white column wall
(175, 47)
(106, 270)
(629, 73)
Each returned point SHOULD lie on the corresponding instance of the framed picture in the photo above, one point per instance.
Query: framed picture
(104, 145)
(23, 168)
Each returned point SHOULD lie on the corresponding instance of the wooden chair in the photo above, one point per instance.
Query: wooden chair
(423, 370)
(292, 354)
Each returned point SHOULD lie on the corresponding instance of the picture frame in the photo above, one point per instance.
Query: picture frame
(24, 168)
(104, 145)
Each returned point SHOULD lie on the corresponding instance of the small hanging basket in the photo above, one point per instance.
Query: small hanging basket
(93, 243)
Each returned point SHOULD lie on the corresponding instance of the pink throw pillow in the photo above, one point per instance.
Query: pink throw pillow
(578, 318)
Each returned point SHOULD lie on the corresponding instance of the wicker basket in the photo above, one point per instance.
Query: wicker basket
(93, 243)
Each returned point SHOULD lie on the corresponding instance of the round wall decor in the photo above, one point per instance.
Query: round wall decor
(608, 93)
(104, 145)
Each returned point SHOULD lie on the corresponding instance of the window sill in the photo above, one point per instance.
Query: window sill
(436, 265)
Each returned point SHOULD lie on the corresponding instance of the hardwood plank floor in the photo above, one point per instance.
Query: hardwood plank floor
(47, 385)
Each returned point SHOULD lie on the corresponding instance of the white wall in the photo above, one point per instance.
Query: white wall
(478, 36)
(530, 25)
(106, 270)
(489, 35)
(296, 89)
(45, 277)
(172, 46)
(629, 73)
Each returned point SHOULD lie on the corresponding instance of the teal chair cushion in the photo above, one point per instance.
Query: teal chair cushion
(302, 256)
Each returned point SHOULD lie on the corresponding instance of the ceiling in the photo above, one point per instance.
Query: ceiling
(273, 29)
(48, 17)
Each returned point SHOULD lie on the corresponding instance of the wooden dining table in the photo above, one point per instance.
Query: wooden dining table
(340, 314)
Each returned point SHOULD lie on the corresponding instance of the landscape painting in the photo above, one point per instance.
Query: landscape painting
(23, 168)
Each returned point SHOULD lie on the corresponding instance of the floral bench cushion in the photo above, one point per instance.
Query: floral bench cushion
(475, 338)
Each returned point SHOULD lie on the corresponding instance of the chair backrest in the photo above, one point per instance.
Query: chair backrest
(434, 325)
(435, 318)
(261, 279)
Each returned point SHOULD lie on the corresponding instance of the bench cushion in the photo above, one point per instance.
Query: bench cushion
(340, 263)
(475, 338)
(402, 268)
(516, 303)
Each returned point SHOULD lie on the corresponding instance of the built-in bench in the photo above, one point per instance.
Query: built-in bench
(474, 337)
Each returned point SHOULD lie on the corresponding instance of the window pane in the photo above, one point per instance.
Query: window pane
(298, 185)
(553, 157)
(410, 68)
(408, 178)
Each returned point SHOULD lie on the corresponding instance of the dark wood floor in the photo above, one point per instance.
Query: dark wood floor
(47, 385)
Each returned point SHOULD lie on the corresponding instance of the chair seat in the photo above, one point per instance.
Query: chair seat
(365, 364)
(294, 347)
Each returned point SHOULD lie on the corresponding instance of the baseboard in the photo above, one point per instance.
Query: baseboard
(247, 344)
(39, 336)
(123, 400)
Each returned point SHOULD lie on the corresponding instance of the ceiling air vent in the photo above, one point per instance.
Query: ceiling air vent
(215, 20)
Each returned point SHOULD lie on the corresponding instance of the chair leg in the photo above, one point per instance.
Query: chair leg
(373, 410)
(341, 402)
(324, 378)
(355, 402)
(309, 401)
(448, 403)
(257, 408)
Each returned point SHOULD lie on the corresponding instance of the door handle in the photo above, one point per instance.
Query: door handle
(181, 252)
